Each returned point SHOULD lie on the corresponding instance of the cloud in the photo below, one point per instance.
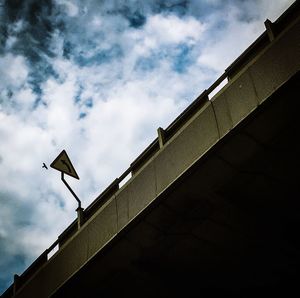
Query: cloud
(13, 71)
(15, 92)
(172, 29)
(71, 9)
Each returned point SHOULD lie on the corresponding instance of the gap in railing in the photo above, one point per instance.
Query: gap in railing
(52, 252)
(217, 88)
(125, 179)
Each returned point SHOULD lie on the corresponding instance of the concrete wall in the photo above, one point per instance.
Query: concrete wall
(279, 61)
(258, 80)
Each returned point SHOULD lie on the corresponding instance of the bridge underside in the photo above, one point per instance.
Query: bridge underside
(228, 225)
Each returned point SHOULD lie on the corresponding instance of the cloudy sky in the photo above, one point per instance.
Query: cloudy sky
(97, 78)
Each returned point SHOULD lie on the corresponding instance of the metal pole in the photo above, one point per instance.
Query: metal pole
(71, 190)
(79, 210)
(80, 217)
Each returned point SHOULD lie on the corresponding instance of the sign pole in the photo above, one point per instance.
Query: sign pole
(79, 209)
(70, 189)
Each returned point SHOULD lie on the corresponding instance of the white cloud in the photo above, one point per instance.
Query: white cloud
(232, 37)
(10, 42)
(96, 22)
(161, 30)
(69, 6)
(235, 34)
(13, 71)
(172, 29)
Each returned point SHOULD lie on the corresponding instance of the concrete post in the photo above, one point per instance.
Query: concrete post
(270, 29)
(15, 285)
(80, 217)
(161, 137)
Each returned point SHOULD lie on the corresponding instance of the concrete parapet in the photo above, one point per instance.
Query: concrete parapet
(189, 144)
(102, 227)
(241, 98)
(141, 190)
(122, 208)
(222, 113)
(75, 253)
(277, 63)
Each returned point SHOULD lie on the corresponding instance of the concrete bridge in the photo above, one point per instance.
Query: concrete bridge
(212, 206)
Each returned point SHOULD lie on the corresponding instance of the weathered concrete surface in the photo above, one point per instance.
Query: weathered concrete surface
(277, 63)
(210, 126)
(188, 145)
(222, 113)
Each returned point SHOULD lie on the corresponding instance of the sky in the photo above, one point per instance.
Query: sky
(97, 78)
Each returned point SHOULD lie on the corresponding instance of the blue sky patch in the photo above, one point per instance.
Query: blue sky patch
(89, 103)
(82, 115)
(182, 59)
(83, 58)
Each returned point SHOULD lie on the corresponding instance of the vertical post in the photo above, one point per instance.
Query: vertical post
(80, 217)
(16, 283)
(161, 137)
(270, 29)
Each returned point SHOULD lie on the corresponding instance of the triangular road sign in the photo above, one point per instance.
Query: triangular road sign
(63, 164)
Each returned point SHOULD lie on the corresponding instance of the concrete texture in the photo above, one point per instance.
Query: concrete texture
(141, 190)
(241, 98)
(122, 207)
(278, 62)
(102, 227)
(196, 138)
(222, 113)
